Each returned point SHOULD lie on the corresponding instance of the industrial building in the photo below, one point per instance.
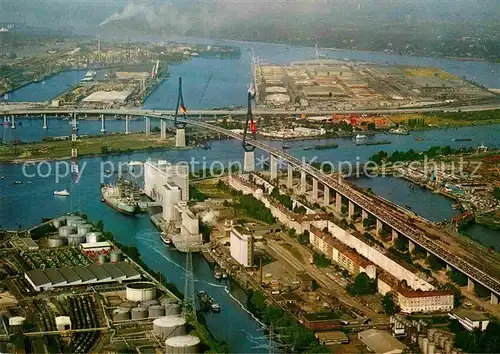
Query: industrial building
(50, 278)
(321, 321)
(108, 97)
(471, 319)
(157, 174)
(242, 246)
(381, 342)
(332, 337)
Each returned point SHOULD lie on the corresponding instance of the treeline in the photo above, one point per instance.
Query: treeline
(415, 122)
(459, 115)
(297, 338)
(412, 155)
(477, 341)
(284, 199)
(362, 285)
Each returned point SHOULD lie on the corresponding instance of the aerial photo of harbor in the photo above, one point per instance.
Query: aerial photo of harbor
(249, 177)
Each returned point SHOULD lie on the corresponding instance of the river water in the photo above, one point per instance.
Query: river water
(210, 83)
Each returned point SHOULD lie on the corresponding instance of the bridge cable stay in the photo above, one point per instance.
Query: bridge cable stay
(253, 127)
(180, 104)
(205, 88)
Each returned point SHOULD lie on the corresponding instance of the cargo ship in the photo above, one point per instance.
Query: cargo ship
(399, 131)
(120, 197)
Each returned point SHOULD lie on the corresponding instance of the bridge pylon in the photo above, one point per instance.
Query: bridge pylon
(180, 134)
(249, 159)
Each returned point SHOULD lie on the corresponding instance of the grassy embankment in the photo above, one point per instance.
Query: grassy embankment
(446, 120)
(114, 143)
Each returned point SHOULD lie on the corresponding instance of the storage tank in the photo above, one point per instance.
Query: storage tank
(75, 240)
(58, 222)
(93, 237)
(431, 348)
(425, 345)
(70, 220)
(83, 229)
(430, 334)
(139, 313)
(115, 256)
(101, 258)
(141, 291)
(169, 326)
(121, 314)
(148, 303)
(441, 340)
(172, 309)
(56, 241)
(65, 231)
(420, 341)
(155, 311)
(182, 345)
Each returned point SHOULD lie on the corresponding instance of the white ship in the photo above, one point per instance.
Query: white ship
(360, 136)
(63, 193)
(115, 198)
(399, 131)
(89, 76)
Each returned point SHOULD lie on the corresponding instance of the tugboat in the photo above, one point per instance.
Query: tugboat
(285, 147)
(165, 239)
(205, 300)
(360, 136)
(224, 275)
(63, 193)
(217, 273)
(215, 307)
(307, 148)
(399, 131)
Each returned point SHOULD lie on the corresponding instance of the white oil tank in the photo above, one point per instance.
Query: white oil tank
(72, 219)
(58, 222)
(101, 258)
(141, 291)
(93, 237)
(115, 256)
(169, 326)
(425, 345)
(155, 311)
(83, 229)
(148, 303)
(431, 348)
(139, 313)
(121, 314)
(65, 231)
(447, 347)
(172, 309)
(56, 241)
(16, 321)
(182, 345)
(75, 240)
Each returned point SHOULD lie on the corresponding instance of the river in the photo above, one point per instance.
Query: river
(210, 83)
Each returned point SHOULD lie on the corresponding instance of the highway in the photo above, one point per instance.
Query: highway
(382, 210)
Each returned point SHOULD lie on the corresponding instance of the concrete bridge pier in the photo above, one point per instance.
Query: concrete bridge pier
(148, 126)
(315, 189)
(338, 202)
(411, 246)
(350, 210)
(44, 121)
(180, 137)
(493, 298)
(249, 161)
(289, 177)
(273, 167)
(13, 123)
(163, 133)
(470, 285)
(448, 268)
(326, 196)
(395, 236)
(303, 183)
(103, 124)
(364, 215)
(127, 124)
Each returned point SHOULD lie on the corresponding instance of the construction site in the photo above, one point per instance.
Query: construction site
(341, 85)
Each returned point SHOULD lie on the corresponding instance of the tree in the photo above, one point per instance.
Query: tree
(99, 225)
(389, 305)
(321, 261)
(257, 302)
(104, 149)
(292, 233)
(496, 193)
(434, 262)
(156, 129)
(362, 285)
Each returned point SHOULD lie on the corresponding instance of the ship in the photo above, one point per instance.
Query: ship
(120, 197)
(89, 76)
(165, 239)
(462, 139)
(207, 303)
(399, 131)
(63, 193)
(360, 136)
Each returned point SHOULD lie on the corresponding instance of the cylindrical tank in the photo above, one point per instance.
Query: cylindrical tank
(56, 241)
(172, 309)
(168, 300)
(425, 345)
(58, 222)
(447, 347)
(121, 314)
(441, 340)
(414, 338)
(431, 348)
(65, 231)
(141, 291)
(71, 219)
(115, 256)
(101, 258)
(93, 237)
(430, 334)
(169, 326)
(75, 240)
(182, 345)
(420, 341)
(83, 229)
(139, 313)
(155, 311)
(148, 303)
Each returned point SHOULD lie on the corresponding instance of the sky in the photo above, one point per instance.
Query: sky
(209, 15)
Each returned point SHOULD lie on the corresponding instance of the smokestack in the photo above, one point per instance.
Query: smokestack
(99, 40)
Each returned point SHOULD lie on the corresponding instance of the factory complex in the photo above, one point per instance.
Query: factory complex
(340, 85)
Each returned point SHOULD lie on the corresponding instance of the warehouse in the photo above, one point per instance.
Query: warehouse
(107, 97)
(381, 342)
(57, 277)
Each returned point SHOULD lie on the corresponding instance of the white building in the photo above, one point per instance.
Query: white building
(242, 246)
(471, 319)
(189, 236)
(157, 174)
(172, 194)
